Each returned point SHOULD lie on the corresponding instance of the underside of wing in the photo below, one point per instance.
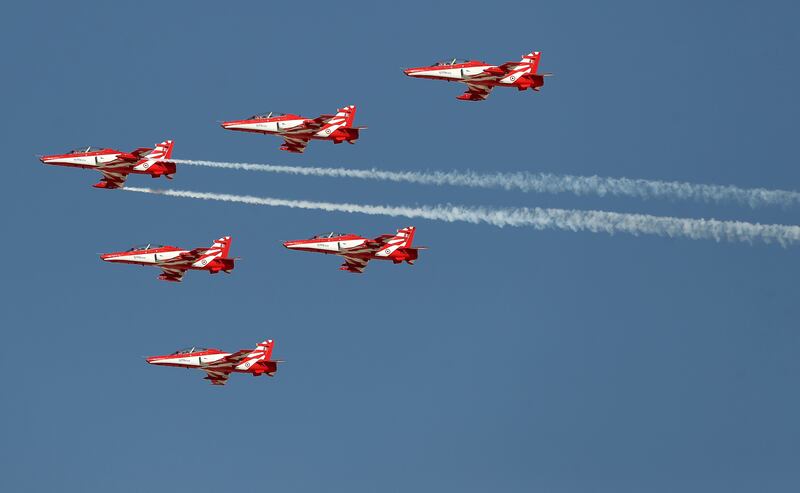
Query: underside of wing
(172, 274)
(112, 179)
(294, 144)
(355, 265)
(216, 377)
(476, 92)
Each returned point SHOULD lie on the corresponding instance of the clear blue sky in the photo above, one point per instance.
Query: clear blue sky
(507, 359)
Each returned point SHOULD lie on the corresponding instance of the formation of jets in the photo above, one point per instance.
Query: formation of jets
(296, 131)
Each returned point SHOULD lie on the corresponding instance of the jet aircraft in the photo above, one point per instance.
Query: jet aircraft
(174, 261)
(357, 250)
(218, 364)
(481, 77)
(116, 165)
(297, 130)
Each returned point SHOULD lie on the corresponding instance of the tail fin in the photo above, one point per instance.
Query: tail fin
(161, 151)
(342, 119)
(223, 245)
(402, 239)
(262, 352)
(532, 60)
(523, 73)
(157, 161)
(405, 235)
(348, 113)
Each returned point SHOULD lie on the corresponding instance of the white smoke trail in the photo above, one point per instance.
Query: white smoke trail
(564, 219)
(541, 183)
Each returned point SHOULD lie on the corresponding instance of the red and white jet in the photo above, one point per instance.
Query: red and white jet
(174, 261)
(297, 130)
(481, 77)
(116, 165)
(218, 364)
(357, 250)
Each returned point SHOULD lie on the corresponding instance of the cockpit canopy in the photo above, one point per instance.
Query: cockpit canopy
(190, 349)
(270, 114)
(327, 235)
(145, 246)
(452, 61)
(81, 150)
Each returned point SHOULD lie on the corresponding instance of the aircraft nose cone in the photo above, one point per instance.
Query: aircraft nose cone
(407, 71)
(291, 244)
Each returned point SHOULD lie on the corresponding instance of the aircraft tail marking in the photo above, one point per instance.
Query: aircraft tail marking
(162, 151)
(156, 161)
(532, 61)
(221, 247)
(403, 239)
(342, 119)
(262, 352)
(348, 113)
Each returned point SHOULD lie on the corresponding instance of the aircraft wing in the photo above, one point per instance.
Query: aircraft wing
(217, 377)
(191, 256)
(379, 241)
(142, 150)
(355, 265)
(112, 179)
(294, 144)
(228, 361)
(318, 122)
(477, 92)
(172, 274)
(503, 69)
(183, 259)
(312, 125)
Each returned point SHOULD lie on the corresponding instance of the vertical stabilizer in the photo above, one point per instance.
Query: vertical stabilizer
(402, 239)
(343, 119)
(532, 61)
(162, 151)
(348, 113)
(262, 352)
(223, 245)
